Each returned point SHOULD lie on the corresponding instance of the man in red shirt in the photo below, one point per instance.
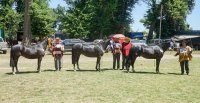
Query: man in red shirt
(57, 52)
(126, 46)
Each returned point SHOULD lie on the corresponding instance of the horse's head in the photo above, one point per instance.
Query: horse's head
(109, 45)
(168, 44)
(44, 43)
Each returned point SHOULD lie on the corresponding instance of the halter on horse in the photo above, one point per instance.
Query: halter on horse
(89, 50)
(36, 51)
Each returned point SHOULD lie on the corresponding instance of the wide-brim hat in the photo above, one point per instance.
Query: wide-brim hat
(127, 39)
(57, 39)
(183, 41)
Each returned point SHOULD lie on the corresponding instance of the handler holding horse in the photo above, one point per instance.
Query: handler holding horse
(126, 46)
(57, 52)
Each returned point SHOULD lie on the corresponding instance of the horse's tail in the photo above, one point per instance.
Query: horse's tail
(133, 53)
(129, 56)
(11, 58)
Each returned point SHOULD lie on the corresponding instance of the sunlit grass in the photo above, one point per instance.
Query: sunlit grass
(108, 86)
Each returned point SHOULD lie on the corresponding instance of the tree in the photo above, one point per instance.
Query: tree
(27, 34)
(96, 18)
(42, 18)
(8, 17)
(76, 21)
(174, 16)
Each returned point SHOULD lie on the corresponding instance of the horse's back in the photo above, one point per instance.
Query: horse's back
(151, 52)
(89, 50)
(16, 48)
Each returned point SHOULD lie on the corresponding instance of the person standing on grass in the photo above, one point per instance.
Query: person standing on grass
(57, 52)
(185, 56)
(116, 53)
(126, 46)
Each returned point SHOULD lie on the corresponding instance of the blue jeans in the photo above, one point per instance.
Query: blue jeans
(184, 66)
(58, 63)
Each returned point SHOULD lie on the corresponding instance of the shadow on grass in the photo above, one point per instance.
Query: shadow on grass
(106, 69)
(49, 70)
(23, 72)
(85, 70)
(174, 73)
(143, 72)
(63, 54)
(82, 70)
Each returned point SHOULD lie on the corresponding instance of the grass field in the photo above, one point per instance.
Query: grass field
(108, 86)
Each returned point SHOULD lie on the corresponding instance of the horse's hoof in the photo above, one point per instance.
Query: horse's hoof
(13, 73)
(157, 72)
(39, 71)
(74, 70)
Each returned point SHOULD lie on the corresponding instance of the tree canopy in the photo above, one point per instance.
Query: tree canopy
(9, 19)
(96, 18)
(173, 19)
(12, 17)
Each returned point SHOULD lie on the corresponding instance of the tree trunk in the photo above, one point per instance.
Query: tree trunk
(150, 35)
(27, 36)
(101, 33)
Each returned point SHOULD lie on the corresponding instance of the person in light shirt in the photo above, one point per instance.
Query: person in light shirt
(116, 53)
(185, 56)
(57, 52)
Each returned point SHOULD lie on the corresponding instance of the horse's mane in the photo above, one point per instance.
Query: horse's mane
(34, 46)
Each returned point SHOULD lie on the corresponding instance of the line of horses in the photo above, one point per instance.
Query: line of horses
(97, 50)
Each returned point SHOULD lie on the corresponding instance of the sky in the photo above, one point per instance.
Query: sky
(141, 8)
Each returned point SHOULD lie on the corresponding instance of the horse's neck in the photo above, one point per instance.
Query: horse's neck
(104, 45)
(44, 44)
(100, 45)
(164, 47)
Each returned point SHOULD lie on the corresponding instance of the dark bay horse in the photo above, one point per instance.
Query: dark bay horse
(90, 50)
(36, 51)
(148, 52)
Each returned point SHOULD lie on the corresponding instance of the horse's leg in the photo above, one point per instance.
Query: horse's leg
(13, 68)
(157, 65)
(16, 65)
(128, 63)
(74, 66)
(98, 64)
(132, 64)
(78, 61)
(74, 62)
(39, 63)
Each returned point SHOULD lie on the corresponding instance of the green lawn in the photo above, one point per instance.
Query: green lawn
(108, 86)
